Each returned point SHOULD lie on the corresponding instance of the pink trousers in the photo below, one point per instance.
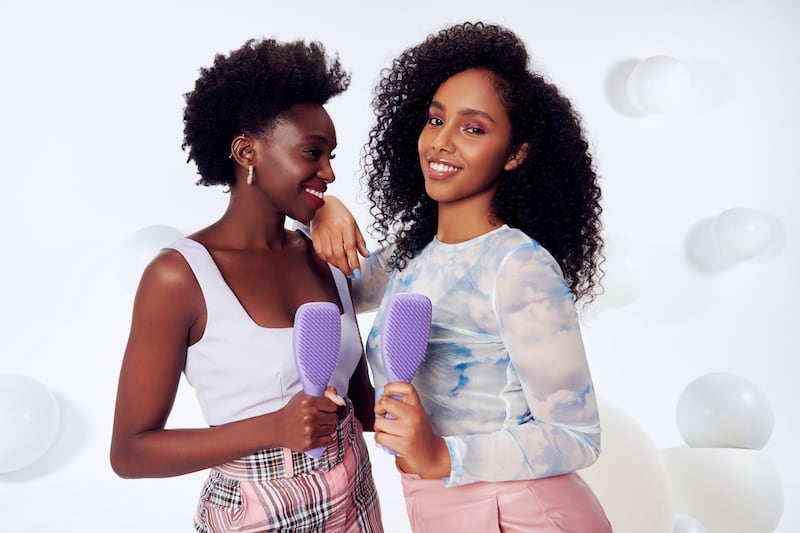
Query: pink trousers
(284, 491)
(559, 504)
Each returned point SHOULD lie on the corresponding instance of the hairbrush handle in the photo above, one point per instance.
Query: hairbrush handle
(404, 339)
(317, 335)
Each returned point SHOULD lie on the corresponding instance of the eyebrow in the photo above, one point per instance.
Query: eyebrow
(319, 138)
(315, 136)
(465, 112)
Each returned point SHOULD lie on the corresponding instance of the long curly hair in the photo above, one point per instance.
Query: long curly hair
(247, 92)
(553, 196)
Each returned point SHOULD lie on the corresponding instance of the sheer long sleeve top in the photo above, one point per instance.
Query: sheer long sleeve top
(505, 380)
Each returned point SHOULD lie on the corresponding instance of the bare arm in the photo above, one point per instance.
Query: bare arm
(167, 310)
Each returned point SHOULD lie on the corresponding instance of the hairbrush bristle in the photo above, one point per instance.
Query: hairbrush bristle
(405, 334)
(317, 334)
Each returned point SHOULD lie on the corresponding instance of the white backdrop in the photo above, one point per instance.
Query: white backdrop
(90, 132)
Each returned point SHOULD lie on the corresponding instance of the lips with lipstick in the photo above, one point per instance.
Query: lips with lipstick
(441, 169)
(315, 192)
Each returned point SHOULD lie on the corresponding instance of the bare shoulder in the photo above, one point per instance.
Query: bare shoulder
(169, 267)
(169, 277)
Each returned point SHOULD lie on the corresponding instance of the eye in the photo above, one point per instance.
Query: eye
(314, 152)
(434, 121)
(473, 129)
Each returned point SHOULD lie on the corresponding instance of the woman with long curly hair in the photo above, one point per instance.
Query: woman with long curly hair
(485, 198)
(219, 306)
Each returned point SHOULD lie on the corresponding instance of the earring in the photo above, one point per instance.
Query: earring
(250, 175)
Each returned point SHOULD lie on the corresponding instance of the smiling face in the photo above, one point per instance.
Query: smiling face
(293, 161)
(466, 142)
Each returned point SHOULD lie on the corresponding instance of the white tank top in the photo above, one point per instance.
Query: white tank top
(239, 369)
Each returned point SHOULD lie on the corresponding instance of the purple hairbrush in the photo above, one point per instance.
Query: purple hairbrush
(317, 333)
(404, 338)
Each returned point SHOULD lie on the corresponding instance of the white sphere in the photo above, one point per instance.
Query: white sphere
(726, 490)
(688, 524)
(29, 421)
(629, 478)
(724, 410)
(659, 84)
(744, 233)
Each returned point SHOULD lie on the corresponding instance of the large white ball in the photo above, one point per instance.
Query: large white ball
(727, 490)
(29, 421)
(659, 84)
(724, 410)
(629, 478)
(743, 233)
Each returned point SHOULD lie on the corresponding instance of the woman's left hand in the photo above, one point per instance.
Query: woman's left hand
(402, 425)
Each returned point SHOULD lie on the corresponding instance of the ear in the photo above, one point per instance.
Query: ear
(242, 150)
(516, 157)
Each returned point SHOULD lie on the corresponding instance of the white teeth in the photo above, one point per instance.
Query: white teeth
(441, 167)
(318, 194)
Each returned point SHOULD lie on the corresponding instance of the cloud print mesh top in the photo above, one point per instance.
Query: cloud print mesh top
(505, 378)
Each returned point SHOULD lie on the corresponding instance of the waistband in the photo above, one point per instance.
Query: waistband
(280, 463)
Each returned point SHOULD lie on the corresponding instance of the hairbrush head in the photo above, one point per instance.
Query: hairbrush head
(317, 334)
(405, 333)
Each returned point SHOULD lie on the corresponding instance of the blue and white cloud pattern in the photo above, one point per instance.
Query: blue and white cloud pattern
(505, 379)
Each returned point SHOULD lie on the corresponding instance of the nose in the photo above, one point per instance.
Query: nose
(326, 172)
(442, 140)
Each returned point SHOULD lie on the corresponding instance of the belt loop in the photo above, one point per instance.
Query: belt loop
(287, 462)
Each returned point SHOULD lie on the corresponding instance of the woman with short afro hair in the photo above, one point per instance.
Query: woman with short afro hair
(485, 200)
(247, 91)
(219, 307)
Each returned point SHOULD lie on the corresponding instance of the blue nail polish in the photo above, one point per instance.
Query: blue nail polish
(379, 392)
(357, 273)
(350, 276)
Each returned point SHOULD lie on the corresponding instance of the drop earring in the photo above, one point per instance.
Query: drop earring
(250, 175)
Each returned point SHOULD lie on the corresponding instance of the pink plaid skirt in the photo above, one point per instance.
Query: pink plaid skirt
(559, 504)
(281, 490)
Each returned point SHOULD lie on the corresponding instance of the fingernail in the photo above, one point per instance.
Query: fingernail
(357, 274)
(379, 392)
(339, 400)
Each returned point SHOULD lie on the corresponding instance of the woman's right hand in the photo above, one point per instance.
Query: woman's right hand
(402, 425)
(337, 238)
(307, 422)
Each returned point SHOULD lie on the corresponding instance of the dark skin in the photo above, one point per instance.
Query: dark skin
(249, 244)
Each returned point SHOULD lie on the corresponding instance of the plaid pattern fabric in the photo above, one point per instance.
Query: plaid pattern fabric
(222, 491)
(262, 493)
